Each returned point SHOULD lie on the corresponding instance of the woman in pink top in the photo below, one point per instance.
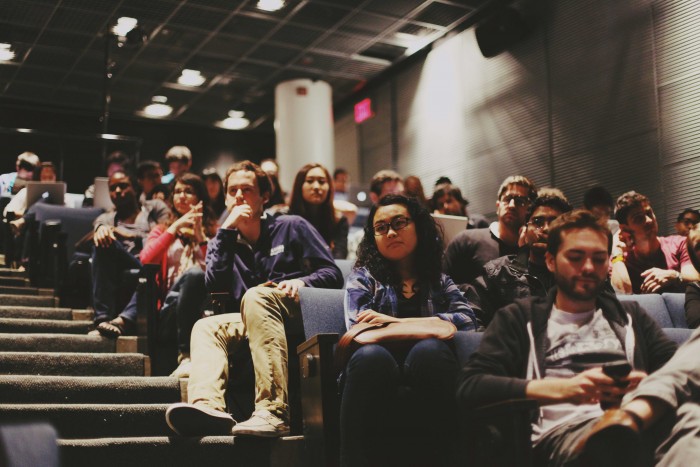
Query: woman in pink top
(180, 249)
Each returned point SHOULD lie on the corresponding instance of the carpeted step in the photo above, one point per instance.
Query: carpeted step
(74, 364)
(28, 300)
(29, 291)
(20, 389)
(93, 420)
(55, 343)
(20, 325)
(38, 312)
(9, 272)
(14, 281)
(210, 451)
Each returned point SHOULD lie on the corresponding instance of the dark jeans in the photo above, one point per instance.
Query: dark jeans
(186, 299)
(375, 430)
(108, 267)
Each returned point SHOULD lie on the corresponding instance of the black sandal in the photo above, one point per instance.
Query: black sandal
(115, 328)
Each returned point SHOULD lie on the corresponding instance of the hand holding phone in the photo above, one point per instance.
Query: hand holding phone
(616, 370)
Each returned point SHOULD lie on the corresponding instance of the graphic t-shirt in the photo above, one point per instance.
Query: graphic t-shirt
(572, 340)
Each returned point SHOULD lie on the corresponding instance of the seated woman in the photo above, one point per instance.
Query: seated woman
(180, 249)
(312, 199)
(398, 277)
(215, 191)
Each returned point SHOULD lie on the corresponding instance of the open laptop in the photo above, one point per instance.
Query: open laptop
(101, 197)
(50, 192)
(451, 225)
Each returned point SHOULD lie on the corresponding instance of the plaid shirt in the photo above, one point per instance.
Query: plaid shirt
(364, 292)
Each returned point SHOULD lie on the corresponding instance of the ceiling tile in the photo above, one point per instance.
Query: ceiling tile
(344, 43)
(197, 18)
(441, 14)
(226, 47)
(71, 20)
(276, 54)
(180, 37)
(366, 23)
(293, 34)
(250, 28)
(395, 8)
(321, 16)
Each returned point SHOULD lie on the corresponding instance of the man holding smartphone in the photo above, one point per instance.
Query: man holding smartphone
(641, 261)
(553, 349)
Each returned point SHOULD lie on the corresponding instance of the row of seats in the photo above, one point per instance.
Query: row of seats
(502, 431)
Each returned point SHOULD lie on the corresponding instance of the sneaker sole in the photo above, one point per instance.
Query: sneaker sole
(259, 434)
(186, 420)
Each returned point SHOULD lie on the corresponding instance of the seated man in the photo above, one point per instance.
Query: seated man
(686, 220)
(665, 406)
(118, 238)
(448, 199)
(262, 262)
(11, 183)
(525, 274)
(550, 349)
(470, 250)
(641, 261)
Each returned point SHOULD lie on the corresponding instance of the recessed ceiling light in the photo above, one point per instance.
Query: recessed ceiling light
(191, 78)
(6, 52)
(235, 121)
(124, 25)
(158, 108)
(270, 5)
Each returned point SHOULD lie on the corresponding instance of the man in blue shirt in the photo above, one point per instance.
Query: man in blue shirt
(262, 262)
(11, 183)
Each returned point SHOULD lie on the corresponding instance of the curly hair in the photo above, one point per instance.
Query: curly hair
(324, 218)
(428, 252)
(627, 202)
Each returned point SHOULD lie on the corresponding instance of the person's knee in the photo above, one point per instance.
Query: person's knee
(261, 303)
(193, 275)
(372, 360)
(431, 357)
(204, 327)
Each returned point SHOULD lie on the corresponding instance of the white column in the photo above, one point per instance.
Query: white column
(303, 126)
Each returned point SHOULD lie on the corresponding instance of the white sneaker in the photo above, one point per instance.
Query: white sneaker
(198, 420)
(263, 424)
(183, 369)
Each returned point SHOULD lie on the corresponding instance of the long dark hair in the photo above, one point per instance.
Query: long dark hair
(200, 190)
(324, 216)
(219, 204)
(428, 252)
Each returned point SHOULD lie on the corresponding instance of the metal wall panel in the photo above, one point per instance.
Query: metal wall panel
(375, 135)
(676, 30)
(346, 146)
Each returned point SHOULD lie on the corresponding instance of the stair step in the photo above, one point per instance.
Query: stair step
(23, 325)
(9, 272)
(73, 364)
(28, 291)
(55, 343)
(89, 390)
(212, 451)
(93, 420)
(28, 300)
(39, 312)
(14, 281)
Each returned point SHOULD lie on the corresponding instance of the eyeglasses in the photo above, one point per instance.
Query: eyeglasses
(396, 224)
(520, 201)
(123, 186)
(689, 221)
(540, 222)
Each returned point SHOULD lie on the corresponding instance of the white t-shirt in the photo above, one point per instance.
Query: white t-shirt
(573, 335)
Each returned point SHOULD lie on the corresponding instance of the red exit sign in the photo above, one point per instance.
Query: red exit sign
(363, 110)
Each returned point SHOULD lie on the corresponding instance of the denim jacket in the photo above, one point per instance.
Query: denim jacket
(364, 292)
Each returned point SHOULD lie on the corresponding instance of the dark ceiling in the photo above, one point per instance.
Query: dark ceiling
(242, 51)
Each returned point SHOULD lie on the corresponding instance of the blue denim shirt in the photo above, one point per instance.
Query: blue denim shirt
(364, 292)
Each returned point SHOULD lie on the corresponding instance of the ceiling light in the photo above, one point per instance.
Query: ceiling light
(124, 26)
(158, 108)
(6, 52)
(270, 5)
(191, 78)
(235, 121)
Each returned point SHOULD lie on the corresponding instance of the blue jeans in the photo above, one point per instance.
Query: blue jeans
(108, 267)
(186, 299)
(371, 420)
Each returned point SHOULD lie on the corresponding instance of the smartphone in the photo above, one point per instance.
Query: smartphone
(617, 369)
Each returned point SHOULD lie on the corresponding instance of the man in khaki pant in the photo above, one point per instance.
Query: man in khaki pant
(262, 262)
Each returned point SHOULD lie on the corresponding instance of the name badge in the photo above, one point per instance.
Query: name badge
(277, 250)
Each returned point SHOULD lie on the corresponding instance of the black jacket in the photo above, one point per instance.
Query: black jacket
(513, 347)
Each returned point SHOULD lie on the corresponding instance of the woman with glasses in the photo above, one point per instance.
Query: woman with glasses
(312, 199)
(180, 249)
(398, 277)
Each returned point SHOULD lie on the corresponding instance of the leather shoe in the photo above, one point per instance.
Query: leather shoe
(614, 440)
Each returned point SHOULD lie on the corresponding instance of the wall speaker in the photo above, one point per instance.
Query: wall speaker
(501, 30)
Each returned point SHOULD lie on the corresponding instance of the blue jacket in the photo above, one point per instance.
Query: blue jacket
(288, 248)
(364, 292)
